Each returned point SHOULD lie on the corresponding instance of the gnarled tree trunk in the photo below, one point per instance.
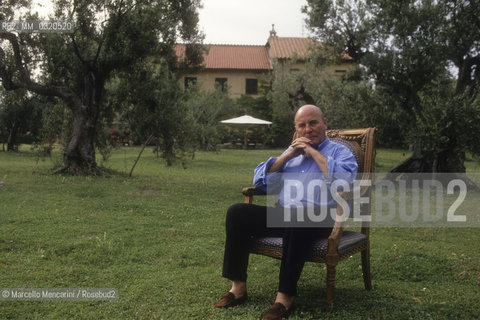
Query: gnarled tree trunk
(79, 154)
(448, 162)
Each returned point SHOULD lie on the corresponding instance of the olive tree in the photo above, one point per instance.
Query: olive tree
(109, 35)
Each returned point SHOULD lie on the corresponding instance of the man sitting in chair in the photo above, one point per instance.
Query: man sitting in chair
(310, 152)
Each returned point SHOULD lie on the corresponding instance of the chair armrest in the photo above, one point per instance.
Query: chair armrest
(348, 195)
(249, 192)
(253, 191)
(337, 231)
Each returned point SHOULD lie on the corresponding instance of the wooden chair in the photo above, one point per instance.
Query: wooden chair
(341, 243)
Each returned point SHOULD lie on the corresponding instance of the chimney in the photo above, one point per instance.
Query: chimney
(273, 33)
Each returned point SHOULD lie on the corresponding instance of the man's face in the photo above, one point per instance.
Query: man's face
(310, 124)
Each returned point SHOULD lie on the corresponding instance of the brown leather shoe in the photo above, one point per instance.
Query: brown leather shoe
(277, 312)
(228, 300)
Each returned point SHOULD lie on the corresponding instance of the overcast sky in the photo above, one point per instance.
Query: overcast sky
(242, 21)
(250, 21)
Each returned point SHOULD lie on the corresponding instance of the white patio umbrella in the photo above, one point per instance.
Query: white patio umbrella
(246, 120)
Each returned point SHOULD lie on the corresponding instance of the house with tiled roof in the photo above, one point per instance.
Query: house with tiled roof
(242, 68)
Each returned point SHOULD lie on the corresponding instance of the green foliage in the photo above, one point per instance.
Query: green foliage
(205, 110)
(348, 102)
(337, 23)
(105, 144)
(356, 104)
(18, 118)
(109, 37)
(256, 107)
(284, 104)
(151, 103)
(447, 119)
(55, 127)
(423, 59)
(149, 99)
(259, 108)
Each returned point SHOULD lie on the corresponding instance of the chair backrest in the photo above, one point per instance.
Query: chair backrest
(361, 143)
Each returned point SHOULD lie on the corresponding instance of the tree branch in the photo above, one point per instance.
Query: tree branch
(75, 49)
(25, 81)
(465, 73)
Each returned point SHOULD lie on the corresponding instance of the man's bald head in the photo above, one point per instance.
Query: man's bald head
(311, 124)
(308, 108)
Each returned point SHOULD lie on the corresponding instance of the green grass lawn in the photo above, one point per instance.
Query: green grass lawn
(158, 237)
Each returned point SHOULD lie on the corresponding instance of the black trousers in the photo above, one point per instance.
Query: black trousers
(245, 221)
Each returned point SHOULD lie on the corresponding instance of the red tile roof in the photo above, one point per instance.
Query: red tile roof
(243, 57)
(284, 47)
(233, 57)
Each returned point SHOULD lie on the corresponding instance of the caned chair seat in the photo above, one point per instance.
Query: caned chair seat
(351, 242)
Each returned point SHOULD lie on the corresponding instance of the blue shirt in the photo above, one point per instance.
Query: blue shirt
(301, 178)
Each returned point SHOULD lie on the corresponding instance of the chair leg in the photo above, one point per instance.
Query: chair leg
(330, 287)
(367, 279)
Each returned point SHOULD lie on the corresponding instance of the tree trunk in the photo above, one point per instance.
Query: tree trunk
(79, 154)
(168, 153)
(449, 162)
(12, 137)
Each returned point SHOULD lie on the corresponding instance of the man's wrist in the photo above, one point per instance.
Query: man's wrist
(286, 156)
